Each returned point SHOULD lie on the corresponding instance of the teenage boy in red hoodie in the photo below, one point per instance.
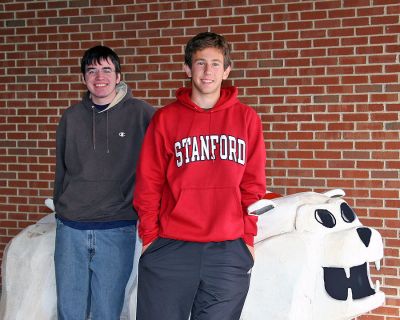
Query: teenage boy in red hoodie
(202, 164)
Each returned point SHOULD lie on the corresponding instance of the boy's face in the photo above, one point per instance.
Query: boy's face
(101, 80)
(207, 71)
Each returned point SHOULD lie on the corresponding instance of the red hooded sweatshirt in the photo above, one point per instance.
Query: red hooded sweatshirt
(199, 170)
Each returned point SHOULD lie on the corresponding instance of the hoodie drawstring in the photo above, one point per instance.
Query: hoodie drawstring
(108, 150)
(93, 128)
(209, 129)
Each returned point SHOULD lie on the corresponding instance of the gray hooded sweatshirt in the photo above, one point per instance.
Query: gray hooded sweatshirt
(96, 156)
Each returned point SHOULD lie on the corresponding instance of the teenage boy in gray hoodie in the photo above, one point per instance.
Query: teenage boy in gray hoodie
(98, 144)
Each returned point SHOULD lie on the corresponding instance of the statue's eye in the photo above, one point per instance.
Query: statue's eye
(325, 218)
(348, 214)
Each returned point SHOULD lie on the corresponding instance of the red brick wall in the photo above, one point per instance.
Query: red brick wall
(323, 75)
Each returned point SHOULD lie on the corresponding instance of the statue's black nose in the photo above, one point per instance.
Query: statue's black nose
(365, 235)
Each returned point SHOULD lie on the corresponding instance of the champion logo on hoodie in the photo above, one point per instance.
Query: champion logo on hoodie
(210, 147)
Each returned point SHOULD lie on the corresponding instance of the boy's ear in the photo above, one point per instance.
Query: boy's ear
(226, 73)
(188, 70)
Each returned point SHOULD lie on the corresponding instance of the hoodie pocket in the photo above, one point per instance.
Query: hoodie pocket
(81, 197)
(210, 214)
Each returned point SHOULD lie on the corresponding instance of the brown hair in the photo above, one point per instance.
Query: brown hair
(208, 40)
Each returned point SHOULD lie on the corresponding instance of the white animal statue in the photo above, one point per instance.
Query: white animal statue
(312, 262)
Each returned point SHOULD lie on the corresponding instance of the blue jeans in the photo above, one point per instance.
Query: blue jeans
(92, 269)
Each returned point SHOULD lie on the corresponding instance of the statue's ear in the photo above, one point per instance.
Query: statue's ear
(336, 193)
(260, 207)
(50, 204)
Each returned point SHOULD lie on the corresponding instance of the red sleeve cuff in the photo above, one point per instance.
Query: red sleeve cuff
(147, 240)
(249, 239)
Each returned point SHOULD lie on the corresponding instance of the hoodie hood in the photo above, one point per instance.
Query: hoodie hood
(227, 99)
(122, 92)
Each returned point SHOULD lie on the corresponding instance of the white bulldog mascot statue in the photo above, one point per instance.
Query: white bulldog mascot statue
(313, 260)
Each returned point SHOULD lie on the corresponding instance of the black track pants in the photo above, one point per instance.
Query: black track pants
(210, 280)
